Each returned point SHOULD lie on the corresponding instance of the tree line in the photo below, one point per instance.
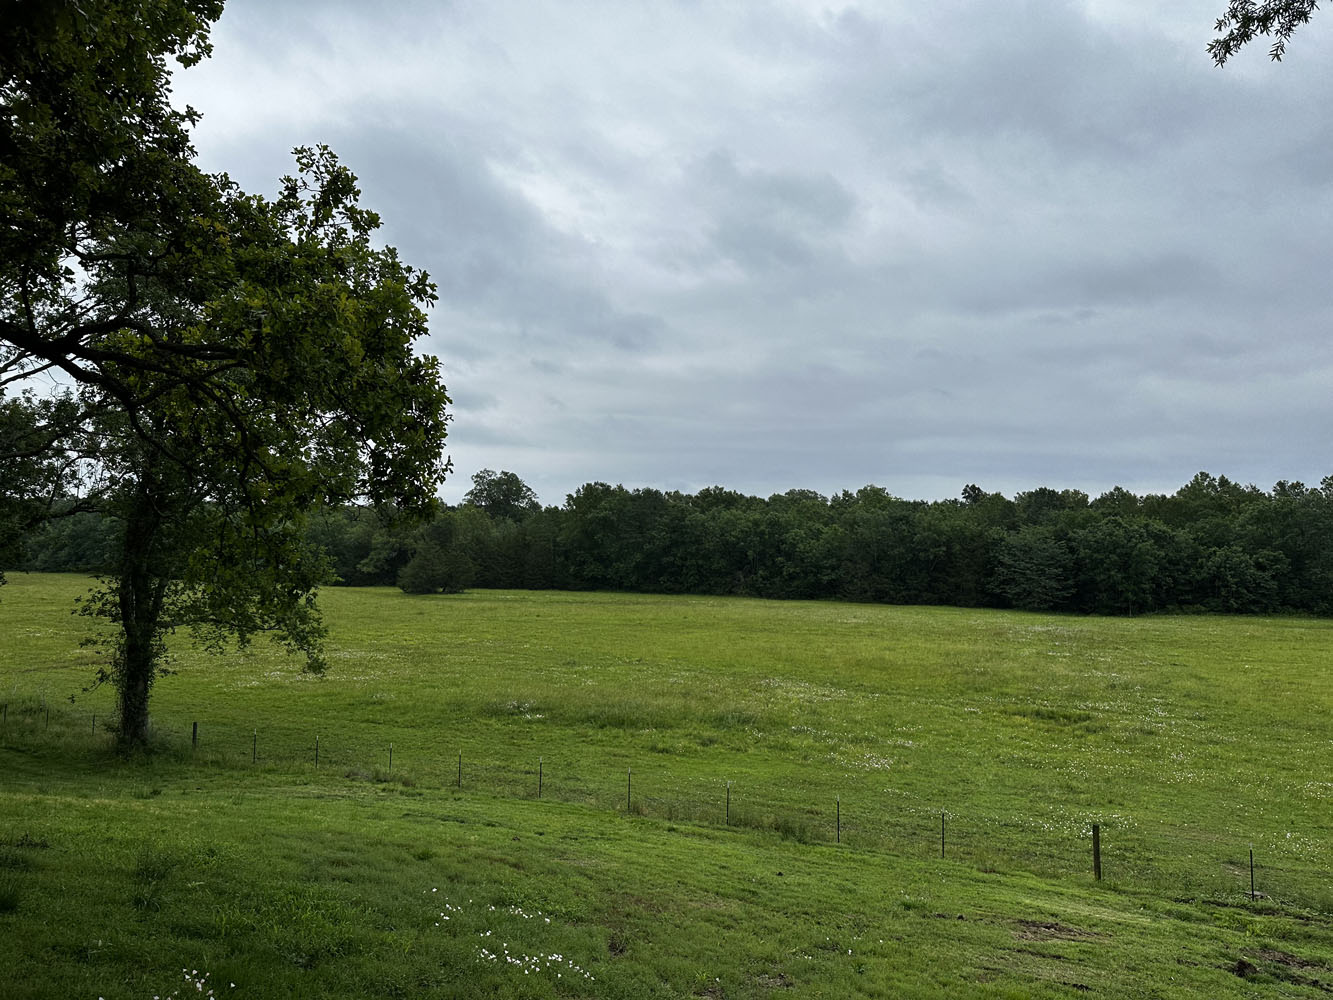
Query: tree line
(1214, 545)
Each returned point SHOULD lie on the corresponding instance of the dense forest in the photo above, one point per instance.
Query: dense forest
(1214, 545)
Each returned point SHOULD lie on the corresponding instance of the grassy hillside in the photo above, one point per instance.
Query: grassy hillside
(1186, 739)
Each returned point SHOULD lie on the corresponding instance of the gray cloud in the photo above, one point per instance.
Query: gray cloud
(1043, 243)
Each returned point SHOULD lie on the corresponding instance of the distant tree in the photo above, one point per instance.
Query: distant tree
(1034, 570)
(502, 495)
(712, 498)
(1296, 522)
(388, 550)
(606, 528)
(1245, 20)
(994, 510)
(542, 560)
(1211, 508)
(1044, 505)
(366, 546)
(879, 561)
(475, 533)
(957, 559)
(808, 550)
(38, 466)
(1234, 580)
(1117, 500)
(84, 542)
(1118, 568)
(438, 563)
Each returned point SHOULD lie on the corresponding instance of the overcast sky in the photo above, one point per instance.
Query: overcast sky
(806, 245)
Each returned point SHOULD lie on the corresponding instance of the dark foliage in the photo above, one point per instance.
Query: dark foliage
(1214, 545)
(1246, 20)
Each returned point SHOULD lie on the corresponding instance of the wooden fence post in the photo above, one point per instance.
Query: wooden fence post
(1097, 852)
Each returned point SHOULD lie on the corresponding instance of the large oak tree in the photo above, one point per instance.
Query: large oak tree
(227, 363)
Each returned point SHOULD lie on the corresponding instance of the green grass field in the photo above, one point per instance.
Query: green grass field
(1188, 740)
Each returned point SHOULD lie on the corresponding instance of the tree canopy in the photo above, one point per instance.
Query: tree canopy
(90, 147)
(502, 494)
(227, 362)
(1246, 20)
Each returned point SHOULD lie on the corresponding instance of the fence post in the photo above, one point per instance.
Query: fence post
(460, 770)
(629, 777)
(1251, 873)
(838, 805)
(194, 736)
(539, 777)
(254, 746)
(941, 834)
(1097, 852)
(728, 803)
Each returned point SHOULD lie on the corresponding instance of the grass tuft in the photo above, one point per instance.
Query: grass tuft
(11, 859)
(11, 892)
(152, 864)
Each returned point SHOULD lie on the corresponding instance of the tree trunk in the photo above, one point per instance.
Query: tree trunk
(139, 591)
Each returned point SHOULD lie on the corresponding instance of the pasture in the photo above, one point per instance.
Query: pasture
(846, 732)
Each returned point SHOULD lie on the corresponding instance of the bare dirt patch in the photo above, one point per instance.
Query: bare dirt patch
(1287, 959)
(1052, 930)
(1272, 963)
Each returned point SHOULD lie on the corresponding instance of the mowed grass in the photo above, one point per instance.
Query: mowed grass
(1188, 740)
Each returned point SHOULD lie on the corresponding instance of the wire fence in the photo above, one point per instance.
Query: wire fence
(28, 722)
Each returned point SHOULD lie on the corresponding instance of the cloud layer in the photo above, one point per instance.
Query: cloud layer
(797, 245)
